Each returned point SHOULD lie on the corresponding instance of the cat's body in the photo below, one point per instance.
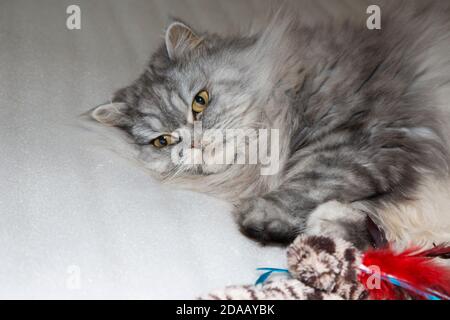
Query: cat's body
(362, 129)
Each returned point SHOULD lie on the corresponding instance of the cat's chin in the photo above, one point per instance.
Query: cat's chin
(213, 168)
(188, 172)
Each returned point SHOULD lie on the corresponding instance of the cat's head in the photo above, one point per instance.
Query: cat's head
(193, 83)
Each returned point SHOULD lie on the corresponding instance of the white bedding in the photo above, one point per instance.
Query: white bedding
(77, 220)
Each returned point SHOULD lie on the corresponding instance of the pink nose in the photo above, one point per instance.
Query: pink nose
(196, 144)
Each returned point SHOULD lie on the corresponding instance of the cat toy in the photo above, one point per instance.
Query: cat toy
(325, 268)
(412, 274)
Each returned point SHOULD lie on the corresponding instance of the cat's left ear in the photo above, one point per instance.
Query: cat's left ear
(112, 114)
(180, 39)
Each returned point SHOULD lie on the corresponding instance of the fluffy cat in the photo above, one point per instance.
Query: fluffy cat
(362, 131)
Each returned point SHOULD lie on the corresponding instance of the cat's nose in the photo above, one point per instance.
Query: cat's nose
(195, 145)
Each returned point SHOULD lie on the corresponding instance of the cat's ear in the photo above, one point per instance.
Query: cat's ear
(180, 39)
(112, 114)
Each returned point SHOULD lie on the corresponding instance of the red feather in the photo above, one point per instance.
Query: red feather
(419, 269)
(441, 251)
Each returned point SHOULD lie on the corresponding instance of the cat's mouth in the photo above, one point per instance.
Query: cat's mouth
(202, 171)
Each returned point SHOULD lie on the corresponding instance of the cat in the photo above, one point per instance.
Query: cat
(362, 132)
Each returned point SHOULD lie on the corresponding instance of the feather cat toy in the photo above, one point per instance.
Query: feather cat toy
(412, 274)
(325, 268)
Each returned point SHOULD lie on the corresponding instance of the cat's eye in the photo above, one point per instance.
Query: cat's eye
(200, 102)
(162, 141)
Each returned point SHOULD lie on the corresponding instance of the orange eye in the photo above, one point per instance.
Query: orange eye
(200, 102)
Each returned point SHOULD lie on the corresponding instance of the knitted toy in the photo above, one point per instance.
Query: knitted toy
(324, 268)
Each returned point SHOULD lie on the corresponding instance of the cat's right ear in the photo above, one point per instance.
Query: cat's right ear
(112, 114)
(180, 39)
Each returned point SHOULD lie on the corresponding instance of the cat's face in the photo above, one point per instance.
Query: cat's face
(192, 85)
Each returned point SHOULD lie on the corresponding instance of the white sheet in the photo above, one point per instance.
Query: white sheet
(76, 220)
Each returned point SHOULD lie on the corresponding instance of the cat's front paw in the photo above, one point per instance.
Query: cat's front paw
(262, 221)
(337, 220)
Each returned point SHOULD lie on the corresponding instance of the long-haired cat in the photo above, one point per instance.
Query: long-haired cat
(361, 116)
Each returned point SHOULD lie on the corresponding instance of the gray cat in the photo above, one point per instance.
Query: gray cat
(362, 132)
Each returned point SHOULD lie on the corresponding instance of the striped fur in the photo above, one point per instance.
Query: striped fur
(363, 125)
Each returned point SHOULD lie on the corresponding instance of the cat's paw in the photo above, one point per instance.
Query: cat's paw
(262, 221)
(337, 220)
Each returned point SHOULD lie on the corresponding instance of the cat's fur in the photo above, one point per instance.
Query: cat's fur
(362, 129)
